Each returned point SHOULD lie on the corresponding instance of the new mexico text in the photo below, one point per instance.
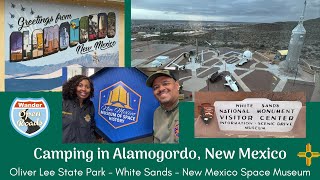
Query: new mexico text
(158, 155)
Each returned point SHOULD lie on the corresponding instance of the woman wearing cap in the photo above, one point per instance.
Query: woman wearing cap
(166, 116)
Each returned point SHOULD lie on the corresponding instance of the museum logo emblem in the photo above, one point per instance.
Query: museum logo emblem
(29, 116)
(308, 154)
(119, 105)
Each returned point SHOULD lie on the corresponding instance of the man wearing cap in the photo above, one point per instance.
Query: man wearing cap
(166, 116)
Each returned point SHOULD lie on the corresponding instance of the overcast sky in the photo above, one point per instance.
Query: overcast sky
(225, 10)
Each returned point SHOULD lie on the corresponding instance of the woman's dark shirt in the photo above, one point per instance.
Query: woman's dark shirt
(78, 123)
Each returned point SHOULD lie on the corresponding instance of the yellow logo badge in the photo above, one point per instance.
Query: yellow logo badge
(119, 97)
(308, 154)
(87, 118)
(119, 105)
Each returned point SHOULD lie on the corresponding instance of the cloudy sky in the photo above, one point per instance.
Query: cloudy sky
(222, 10)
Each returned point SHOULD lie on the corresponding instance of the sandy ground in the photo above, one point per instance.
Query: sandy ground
(239, 72)
(298, 87)
(257, 77)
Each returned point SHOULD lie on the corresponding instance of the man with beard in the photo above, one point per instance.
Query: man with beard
(166, 116)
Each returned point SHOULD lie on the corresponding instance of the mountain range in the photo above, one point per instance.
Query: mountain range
(105, 60)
